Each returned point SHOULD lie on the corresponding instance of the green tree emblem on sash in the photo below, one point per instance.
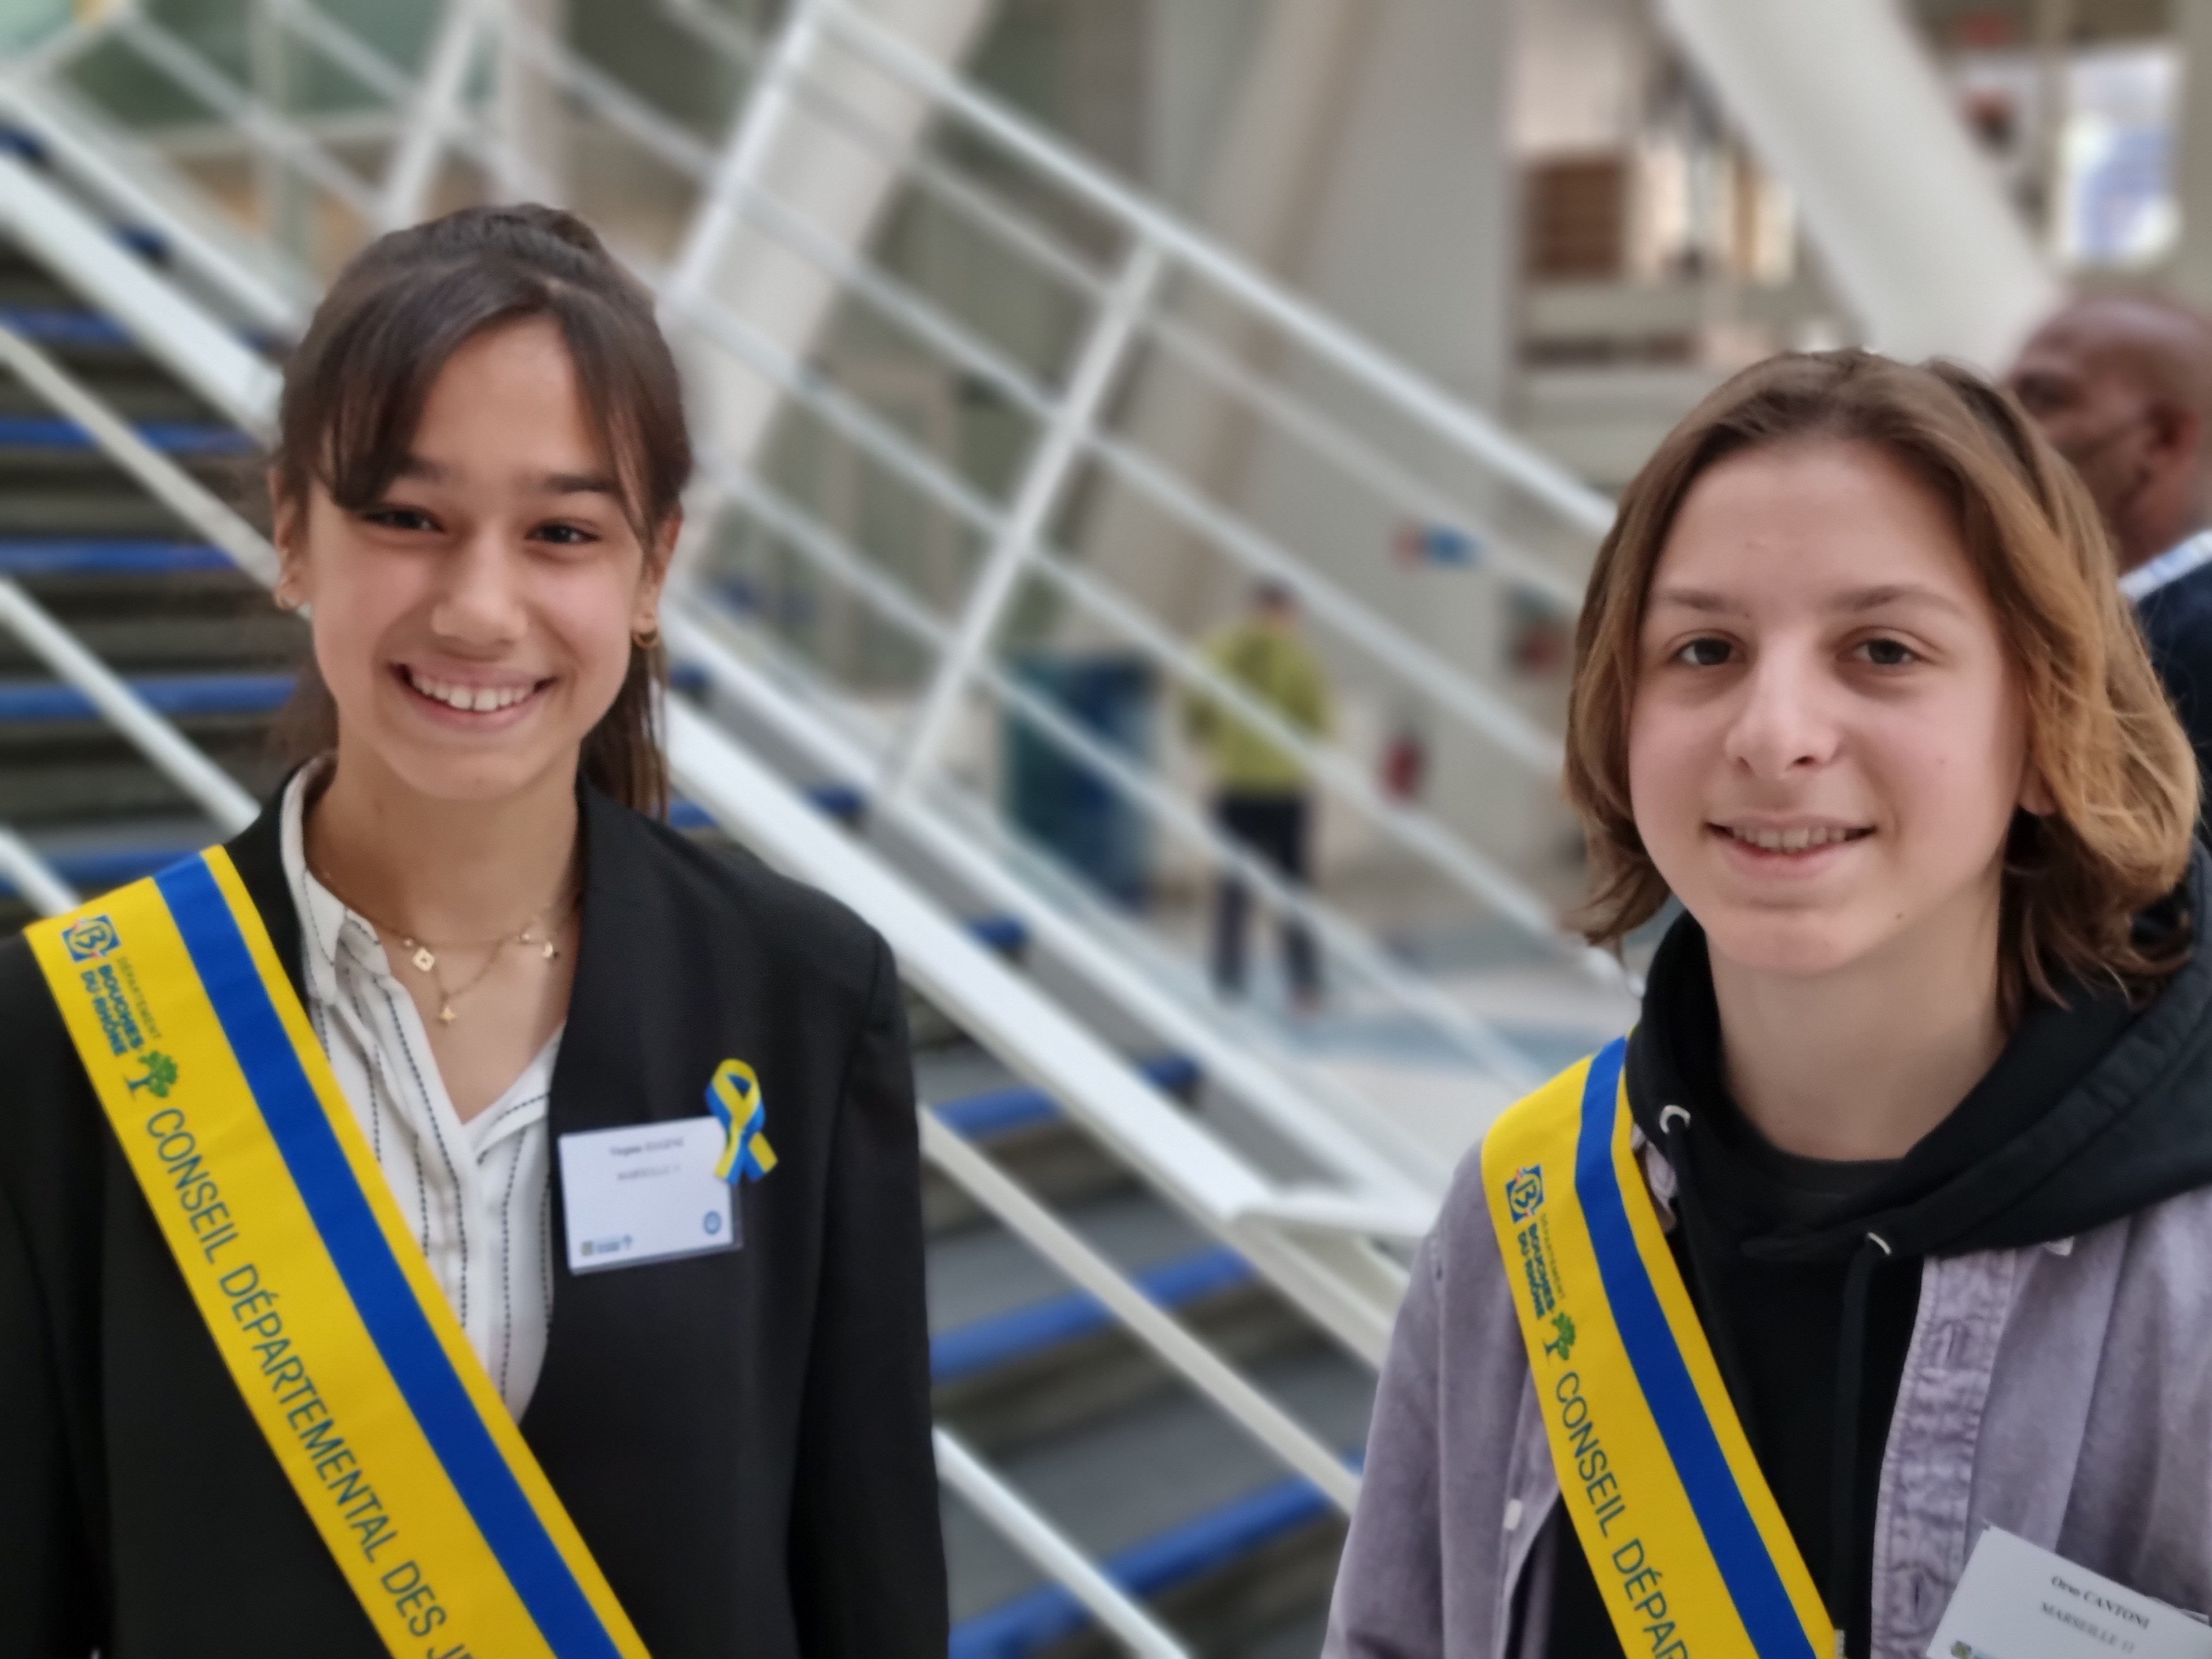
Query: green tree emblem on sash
(1564, 1343)
(161, 1073)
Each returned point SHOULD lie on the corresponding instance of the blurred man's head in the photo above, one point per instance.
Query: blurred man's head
(2122, 386)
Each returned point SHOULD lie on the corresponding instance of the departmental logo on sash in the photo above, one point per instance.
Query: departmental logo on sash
(1524, 1192)
(90, 939)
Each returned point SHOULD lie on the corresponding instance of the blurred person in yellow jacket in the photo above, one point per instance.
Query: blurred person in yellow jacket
(1260, 798)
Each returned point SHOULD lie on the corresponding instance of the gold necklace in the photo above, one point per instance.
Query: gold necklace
(424, 958)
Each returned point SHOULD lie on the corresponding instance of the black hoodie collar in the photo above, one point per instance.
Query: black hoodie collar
(2092, 1111)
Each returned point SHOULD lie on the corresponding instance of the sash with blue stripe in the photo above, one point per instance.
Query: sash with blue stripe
(344, 1349)
(1688, 1547)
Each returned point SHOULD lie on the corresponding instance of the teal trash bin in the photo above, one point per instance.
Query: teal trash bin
(1055, 796)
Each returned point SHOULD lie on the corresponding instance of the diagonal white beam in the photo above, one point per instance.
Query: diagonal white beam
(1843, 105)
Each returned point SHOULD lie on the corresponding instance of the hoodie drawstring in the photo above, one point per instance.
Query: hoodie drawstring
(1850, 1379)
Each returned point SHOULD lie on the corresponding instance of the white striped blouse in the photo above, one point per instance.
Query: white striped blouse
(478, 1194)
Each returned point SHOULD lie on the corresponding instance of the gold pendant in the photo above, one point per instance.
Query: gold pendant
(423, 961)
(445, 1015)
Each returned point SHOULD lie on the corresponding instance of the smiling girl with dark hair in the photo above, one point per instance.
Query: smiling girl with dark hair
(1891, 1223)
(461, 1216)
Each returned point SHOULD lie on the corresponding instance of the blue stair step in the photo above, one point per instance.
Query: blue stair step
(145, 242)
(185, 438)
(94, 555)
(55, 326)
(178, 696)
(1026, 1333)
(689, 815)
(1017, 1106)
(1154, 1566)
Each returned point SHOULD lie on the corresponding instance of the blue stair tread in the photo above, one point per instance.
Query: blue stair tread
(1025, 1332)
(828, 796)
(999, 1110)
(58, 325)
(93, 555)
(838, 801)
(189, 438)
(178, 696)
(1151, 1567)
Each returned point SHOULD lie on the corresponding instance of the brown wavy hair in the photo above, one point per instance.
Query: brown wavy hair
(356, 385)
(2100, 735)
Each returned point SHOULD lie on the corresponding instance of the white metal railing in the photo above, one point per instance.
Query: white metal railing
(1071, 433)
(1047, 1546)
(1207, 1179)
(1328, 1115)
(134, 182)
(42, 888)
(1348, 942)
(1347, 1138)
(168, 749)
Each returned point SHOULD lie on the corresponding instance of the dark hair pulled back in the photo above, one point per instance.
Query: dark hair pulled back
(355, 386)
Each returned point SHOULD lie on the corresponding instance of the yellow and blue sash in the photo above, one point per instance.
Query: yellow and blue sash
(323, 1307)
(1688, 1547)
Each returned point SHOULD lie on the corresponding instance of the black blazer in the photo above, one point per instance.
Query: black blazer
(742, 1438)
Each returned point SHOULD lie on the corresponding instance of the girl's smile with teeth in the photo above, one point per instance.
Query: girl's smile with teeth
(468, 699)
(1798, 839)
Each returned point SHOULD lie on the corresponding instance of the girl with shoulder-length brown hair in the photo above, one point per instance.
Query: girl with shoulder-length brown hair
(1889, 1223)
(604, 1331)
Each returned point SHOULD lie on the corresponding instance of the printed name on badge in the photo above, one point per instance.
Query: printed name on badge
(646, 1192)
(2017, 1602)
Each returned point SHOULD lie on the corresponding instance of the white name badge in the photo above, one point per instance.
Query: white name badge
(2017, 1602)
(646, 1192)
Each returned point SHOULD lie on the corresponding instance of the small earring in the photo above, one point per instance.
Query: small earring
(645, 639)
(284, 600)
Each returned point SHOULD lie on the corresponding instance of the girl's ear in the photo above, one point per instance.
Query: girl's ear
(2035, 796)
(645, 614)
(285, 530)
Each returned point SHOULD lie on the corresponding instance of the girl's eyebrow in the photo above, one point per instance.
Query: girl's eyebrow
(540, 483)
(1851, 601)
(1874, 598)
(572, 483)
(1695, 598)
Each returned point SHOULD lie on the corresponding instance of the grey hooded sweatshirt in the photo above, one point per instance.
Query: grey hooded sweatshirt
(2057, 1382)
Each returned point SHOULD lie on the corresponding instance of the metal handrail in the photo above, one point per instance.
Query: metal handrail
(1447, 853)
(1359, 458)
(1028, 1531)
(1351, 1157)
(1414, 393)
(170, 329)
(1250, 1410)
(114, 173)
(161, 742)
(1470, 1033)
(1351, 943)
(36, 881)
(1017, 532)
(1503, 724)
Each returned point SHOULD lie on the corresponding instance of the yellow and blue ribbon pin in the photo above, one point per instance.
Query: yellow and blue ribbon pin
(734, 1095)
